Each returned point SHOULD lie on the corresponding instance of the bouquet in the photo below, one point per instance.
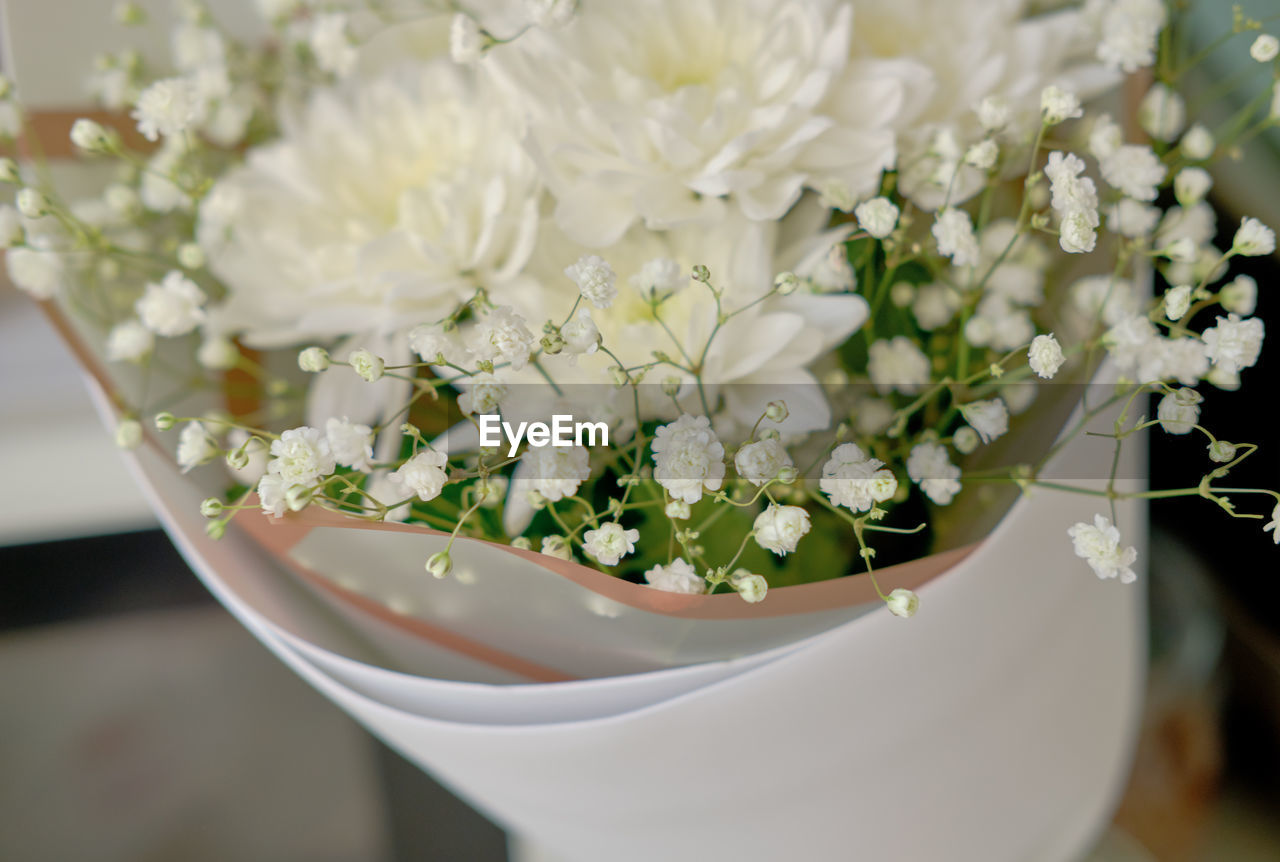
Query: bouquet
(741, 313)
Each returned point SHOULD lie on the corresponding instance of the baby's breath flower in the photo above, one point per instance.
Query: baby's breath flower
(168, 107)
(994, 113)
(1198, 143)
(90, 136)
(953, 231)
(966, 440)
(687, 457)
(165, 420)
(761, 461)
(1264, 48)
(780, 528)
(752, 588)
(1045, 356)
(897, 364)
(1105, 137)
(595, 279)
(853, 479)
(314, 359)
(1058, 105)
(990, 418)
(173, 307)
(931, 469)
(366, 365)
(483, 395)
(38, 273)
(555, 472)
(129, 341)
(1135, 170)
(439, 564)
(581, 335)
(609, 543)
(217, 353)
(1240, 296)
(902, 603)
(128, 434)
(878, 217)
(678, 510)
(1234, 344)
(1221, 452)
(776, 411)
(423, 475)
(1129, 30)
(1098, 544)
(1179, 412)
(1132, 219)
(1177, 302)
(982, 155)
(503, 336)
(659, 278)
(558, 547)
(1162, 113)
(32, 203)
(195, 446)
(433, 341)
(1253, 239)
(678, 577)
(191, 256)
(300, 456)
(351, 444)
(271, 495)
(1191, 185)
(1077, 233)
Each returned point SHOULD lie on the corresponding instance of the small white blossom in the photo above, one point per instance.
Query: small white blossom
(1132, 218)
(1177, 302)
(1253, 238)
(1198, 143)
(483, 395)
(934, 305)
(994, 113)
(1058, 105)
(761, 461)
(314, 359)
(503, 335)
(195, 446)
(217, 353)
(1045, 356)
(1162, 113)
(1069, 190)
(878, 216)
(658, 278)
(39, 273)
(931, 469)
(1098, 544)
(966, 440)
(1265, 48)
(982, 155)
(32, 203)
(752, 588)
(990, 418)
(366, 365)
(679, 577)
(1105, 137)
(558, 547)
(1179, 412)
(897, 364)
(431, 341)
(780, 528)
(168, 107)
(1273, 526)
(128, 434)
(687, 457)
(172, 307)
(1234, 344)
(853, 479)
(1135, 170)
(581, 335)
(1240, 296)
(467, 42)
(1191, 185)
(129, 341)
(556, 472)
(90, 136)
(300, 456)
(331, 45)
(1077, 233)
(351, 444)
(609, 543)
(246, 456)
(953, 231)
(1128, 31)
(902, 603)
(595, 280)
(423, 474)
(678, 510)
(271, 495)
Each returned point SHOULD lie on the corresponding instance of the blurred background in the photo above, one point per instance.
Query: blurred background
(138, 721)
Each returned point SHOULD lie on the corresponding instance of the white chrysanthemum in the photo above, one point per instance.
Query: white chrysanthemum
(350, 443)
(929, 467)
(1135, 170)
(780, 528)
(761, 461)
(1128, 30)
(1234, 344)
(38, 273)
(990, 418)
(331, 231)
(853, 479)
(1253, 238)
(424, 475)
(173, 307)
(555, 472)
(678, 577)
(897, 364)
(878, 216)
(195, 446)
(129, 341)
(687, 457)
(1045, 356)
(595, 279)
(1098, 544)
(665, 111)
(609, 543)
(953, 231)
(168, 107)
(503, 336)
(301, 456)
(1179, 412)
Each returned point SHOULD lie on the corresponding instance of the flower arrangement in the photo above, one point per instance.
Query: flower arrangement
(796, 265)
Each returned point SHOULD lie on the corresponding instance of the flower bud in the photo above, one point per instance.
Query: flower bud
(788, 474)
(314, 359)
(552, 343)
(678, 510)
(130, 14)
(619, 375)
(1221, 452)
(522, 542)
(211, 507)
(557, 546)
(701, 273)
(902, 603)
(298, 497)
(9, 171)
(218, 353)
(440, 564)
(751, 587)
(32, 203)
(367, 365)
(191, 256)
(965, 440)
(215, 529)
(165, 420)
(776, 411)
(128, 434)
(786, 283)
(91, 136)
(671, 386)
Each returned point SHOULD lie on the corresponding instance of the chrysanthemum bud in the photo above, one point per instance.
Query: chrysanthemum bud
(211, 507)
(314, 359)
(165, 420)
(128, 434)
(786, 283)
(32, 203)
(1221, 452)
(776, 411)
(367, 365)
(440, 564)
(902, 602)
